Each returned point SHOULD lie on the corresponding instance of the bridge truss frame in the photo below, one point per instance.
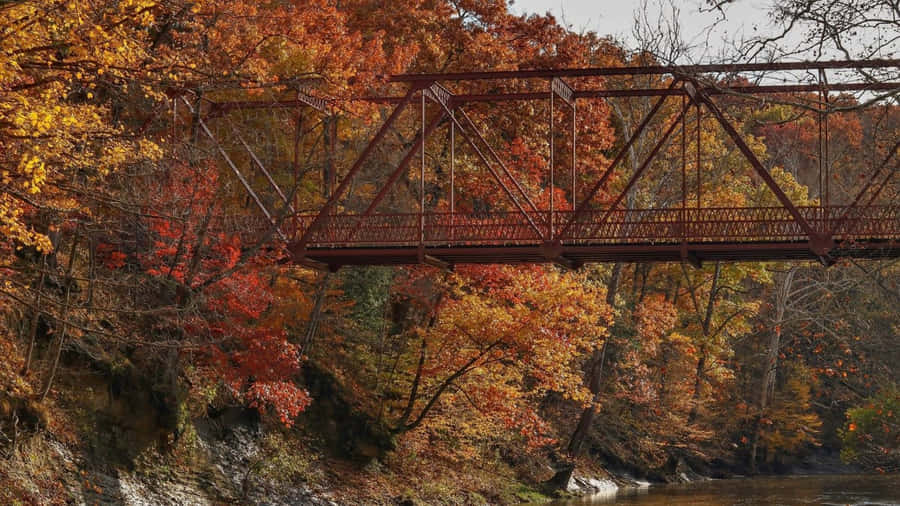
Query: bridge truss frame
(329, 239)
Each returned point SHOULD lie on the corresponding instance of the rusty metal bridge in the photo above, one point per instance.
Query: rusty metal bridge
(590, 229)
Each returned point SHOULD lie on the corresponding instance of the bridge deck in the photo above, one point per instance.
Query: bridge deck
(692, 252)
(751, 234)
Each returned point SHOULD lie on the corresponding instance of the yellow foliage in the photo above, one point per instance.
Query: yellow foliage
(791, 421)
(52, 123)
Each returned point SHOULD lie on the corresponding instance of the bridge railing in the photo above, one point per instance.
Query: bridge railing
(621, 226)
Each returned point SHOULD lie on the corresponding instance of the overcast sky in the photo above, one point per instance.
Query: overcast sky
(616, 17)
(710, 35)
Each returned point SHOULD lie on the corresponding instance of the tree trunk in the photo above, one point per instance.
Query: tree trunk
(594, 375)
(69, 280)
(414, 389)
(767, 386)
(32, 333)
(770, 368)
(316, 315)
(705, 322)
(59, 346)
(698, 384)
(432, 401)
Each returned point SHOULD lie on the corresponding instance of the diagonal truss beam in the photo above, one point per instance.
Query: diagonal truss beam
(887, 160)
(443, 97)
(618, 159)
(357, 165)
(757, 165)
(497, 158)
(265, 172)
(639, 172)
(418, 143)
(496, 176)
(487, 164)
(237, 172)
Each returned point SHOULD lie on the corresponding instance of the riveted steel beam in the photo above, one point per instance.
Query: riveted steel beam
(675, 70)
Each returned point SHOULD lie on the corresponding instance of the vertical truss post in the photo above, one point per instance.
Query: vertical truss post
(819, 106)
(422, 180)
(824, 168)
(637, 174)
(827, 158)
(328, 163)
(295, 171)
(551, 229)
(574, 158)
(619, 157)
(357, 165)
(822, 127)
(452, 173)
(330, 127)
(683, 174)
(559, 88)
(699, 111)
(818, 244)
(444, 99)
(335, 122)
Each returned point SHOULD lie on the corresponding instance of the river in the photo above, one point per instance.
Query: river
(856, 490)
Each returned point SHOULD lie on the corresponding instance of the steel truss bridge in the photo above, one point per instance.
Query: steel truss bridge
(589, 231)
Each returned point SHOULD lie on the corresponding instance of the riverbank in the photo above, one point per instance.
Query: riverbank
(235, 459)
(244, 464)
(96, 444)
(93, 447)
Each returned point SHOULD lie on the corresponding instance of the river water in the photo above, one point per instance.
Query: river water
(856, 490)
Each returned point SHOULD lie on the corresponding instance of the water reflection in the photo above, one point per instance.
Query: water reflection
(856, 490)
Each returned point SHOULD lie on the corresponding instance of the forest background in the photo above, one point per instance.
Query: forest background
(143, 315)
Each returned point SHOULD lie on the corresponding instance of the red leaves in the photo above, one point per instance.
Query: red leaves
(285, 398)
(255, 361)
(110, 257)
(259, 366)
(262, 372)
(242, 294)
